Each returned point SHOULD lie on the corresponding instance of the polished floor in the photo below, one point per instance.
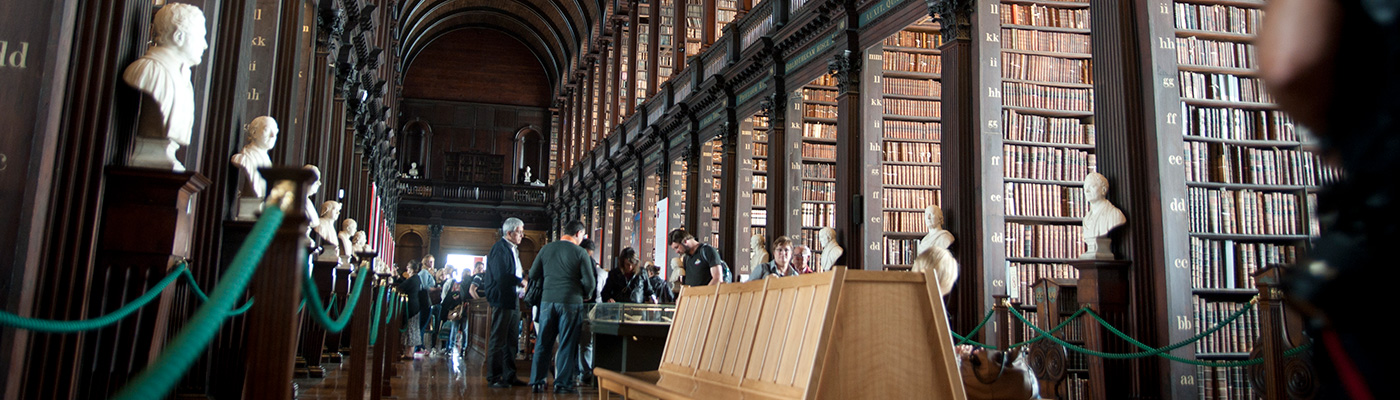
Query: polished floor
(447, 377)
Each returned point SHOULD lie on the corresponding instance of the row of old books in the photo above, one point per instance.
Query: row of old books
(1032, 67)
(1036, 40)
(1039, 15)
(760, 149)
(760, 199)
(914, 108)
(817, 130)
(818, 191)
(912, 87)
(819, 111)
(1044, 241)
(1237, 337)
(912, 152)
(1047, 163)
(1021, 94)
(901, 251)
(922, 40)
(897, 61)
(1224, 383)
(809, 94)
(1224, 87)
(1036, 128)
(818, 150)
(1229, 264)
(1194, 51)
(1219, 18)
(820, 215)
(759, 217)
(1042, 200)
(910, 198)
(1025, 274)
(913, 130)
(1229, 163)
(1244, 212)
(905, 221)
(1238, 124)
(912, 175)
(760, 182)
(821, 171)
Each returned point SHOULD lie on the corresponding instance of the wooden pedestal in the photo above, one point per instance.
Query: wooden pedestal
(1103, 286)
(146, 228)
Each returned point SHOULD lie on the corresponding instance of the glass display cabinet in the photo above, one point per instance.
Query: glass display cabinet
(630, 337)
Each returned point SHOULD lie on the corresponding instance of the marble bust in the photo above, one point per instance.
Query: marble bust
(311, 215)
(1102, 218)
(166, 119)
(325, 229)
(937, 236)
(938, 264)
(831, 252)
(262, 136)
(346, 241)
(413, 170)
(360, 242)
(527, 174)
(757, 253)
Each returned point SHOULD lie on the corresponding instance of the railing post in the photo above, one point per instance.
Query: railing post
(359, 336)
(1003, 317)
(1270, 325)
(272, 333)
(381, 346)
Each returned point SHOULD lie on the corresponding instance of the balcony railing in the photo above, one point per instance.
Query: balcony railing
(474, 193)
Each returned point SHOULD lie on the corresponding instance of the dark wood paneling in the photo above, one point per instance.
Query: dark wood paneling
(479, 128)
(478, 65)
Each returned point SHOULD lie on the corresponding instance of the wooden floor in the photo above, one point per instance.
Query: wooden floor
(446, 377)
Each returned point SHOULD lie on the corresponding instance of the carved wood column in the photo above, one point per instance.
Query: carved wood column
(634, 23)
(784, 163)
(858, 169)
(277, 284)
(736, 198)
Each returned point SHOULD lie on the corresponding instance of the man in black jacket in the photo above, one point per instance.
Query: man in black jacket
(503, 287)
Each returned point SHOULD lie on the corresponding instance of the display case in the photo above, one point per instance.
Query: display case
(630, 337)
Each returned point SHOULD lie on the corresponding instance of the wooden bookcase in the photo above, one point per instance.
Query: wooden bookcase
(812, 131)
(1047, 145)
(905, 82)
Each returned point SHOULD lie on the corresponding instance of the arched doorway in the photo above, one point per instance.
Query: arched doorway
(529, 152)
(409, 247)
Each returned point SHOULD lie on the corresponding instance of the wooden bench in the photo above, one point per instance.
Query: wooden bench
(834, 335)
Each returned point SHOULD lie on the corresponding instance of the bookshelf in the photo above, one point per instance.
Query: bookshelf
(1047, 147)
(642, 30)
(756, 127)
(715, 149)
(694, 27)
(812, 121)
(725, 11)
(908, 85)
(676, 201)
(666, 54)
(1056, 299)
(1250, 180)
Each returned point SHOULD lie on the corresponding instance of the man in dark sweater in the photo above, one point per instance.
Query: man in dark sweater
(503, 278)
(702, 263)
(566, 272)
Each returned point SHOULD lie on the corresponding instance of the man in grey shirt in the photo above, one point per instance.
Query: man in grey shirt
(566, 271)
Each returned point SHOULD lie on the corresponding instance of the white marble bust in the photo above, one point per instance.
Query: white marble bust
(937, 236)
(527, 174)
(677, 269)
(831, 252)
(325, 223)
(1102, 218)
(360, 242)
(346, 236)
(166, 120)
(261, 137)
(311, 215)
(938, 264)
(757, 253)
(413, 170)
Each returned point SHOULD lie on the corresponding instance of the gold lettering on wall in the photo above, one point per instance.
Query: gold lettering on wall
(259, 41)
(253, 94)
(14, 55)
(257, 14)
(253, 66)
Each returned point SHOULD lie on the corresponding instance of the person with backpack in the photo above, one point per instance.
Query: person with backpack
(702, 263)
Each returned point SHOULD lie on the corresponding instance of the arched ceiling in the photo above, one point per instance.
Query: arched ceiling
(554, 30)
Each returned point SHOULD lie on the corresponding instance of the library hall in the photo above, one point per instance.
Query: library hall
(697, 199)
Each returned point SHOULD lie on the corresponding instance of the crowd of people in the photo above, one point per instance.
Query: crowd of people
(571, 282)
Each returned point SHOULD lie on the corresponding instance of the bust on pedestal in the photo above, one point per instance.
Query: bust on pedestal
(262, 136)
(937, 236)
(346, 241)
(326, 234)
(1102, 218)
(831, 252)
(757, 254)
(166, 120)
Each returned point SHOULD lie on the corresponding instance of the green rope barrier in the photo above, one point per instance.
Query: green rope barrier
(302, 305)
(1062, 325)
(323, 317)
(194, 286)
(166, 370)
(51, 326)
(1161, 352)
(374, 323)
(963, 340)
